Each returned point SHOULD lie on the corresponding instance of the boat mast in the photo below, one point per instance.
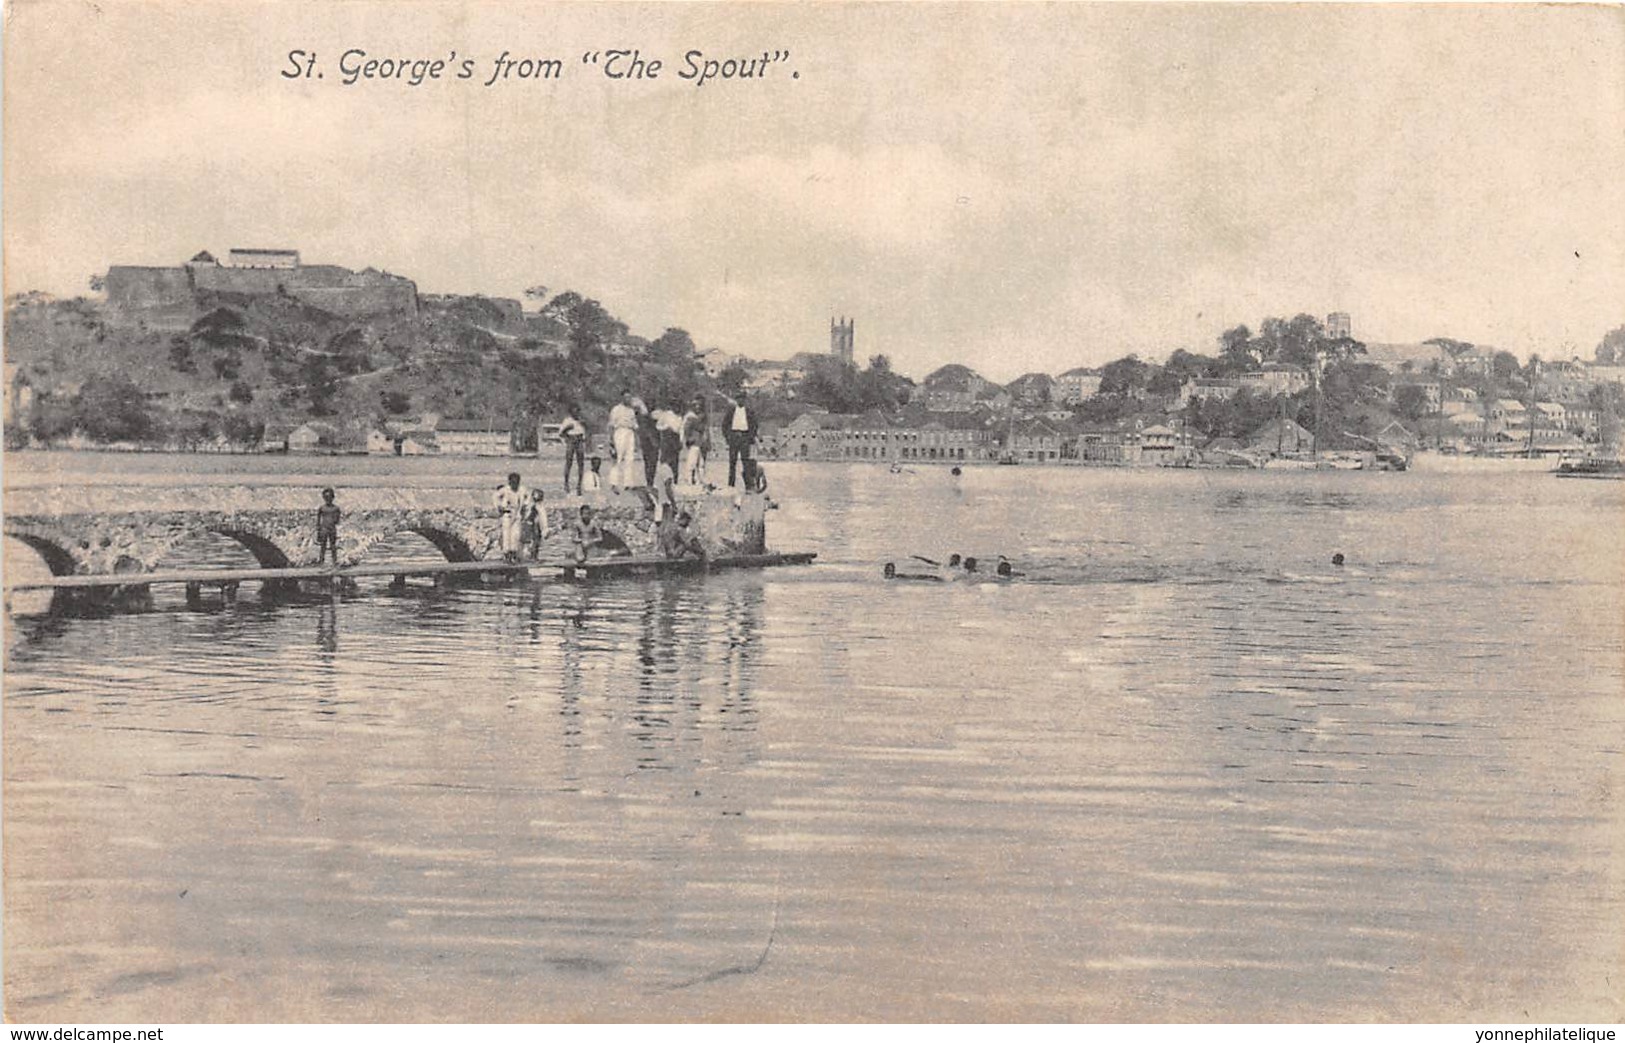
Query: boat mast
(1314, 449)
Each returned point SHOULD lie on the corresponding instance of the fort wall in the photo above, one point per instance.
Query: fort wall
(134, 286)
(329, 287)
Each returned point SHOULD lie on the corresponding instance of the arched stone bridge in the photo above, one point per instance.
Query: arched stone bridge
(115, 542)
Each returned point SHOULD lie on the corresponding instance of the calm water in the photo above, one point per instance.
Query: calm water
(1184, 769)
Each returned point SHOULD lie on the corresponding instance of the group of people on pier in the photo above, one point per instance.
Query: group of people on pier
(657, 448)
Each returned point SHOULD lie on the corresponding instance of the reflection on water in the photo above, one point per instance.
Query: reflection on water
(1185, 769)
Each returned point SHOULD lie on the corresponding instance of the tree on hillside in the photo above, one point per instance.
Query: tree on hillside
(1455, 348)
(1411, 401)
(1124, 376)
(879, 387)
(673, 348)
(1236, 349)
(1187, 364)
(536, 293)
(1611, 349)
(113, 409)
(1295, 342)
(1165, 382)
(592, 329)
(559, 307)
(833, 384)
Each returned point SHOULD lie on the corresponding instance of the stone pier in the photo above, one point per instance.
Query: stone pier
(461, 524)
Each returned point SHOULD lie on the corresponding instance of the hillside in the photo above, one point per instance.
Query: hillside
(226, 363)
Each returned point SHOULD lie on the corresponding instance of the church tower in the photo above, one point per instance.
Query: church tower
(840, 339)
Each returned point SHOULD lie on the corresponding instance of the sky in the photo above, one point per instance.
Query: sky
(1012, 187)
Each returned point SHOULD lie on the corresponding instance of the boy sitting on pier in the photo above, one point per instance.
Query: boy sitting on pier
(589, 536)
(327, 528)
(677, 540)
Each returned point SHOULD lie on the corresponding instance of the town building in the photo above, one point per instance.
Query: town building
(1032, 389)
(1077, 385)
(1214, 388)
(1418, 358)
(1338, 325)
(1275, 378)
(952, 388)
(715, 360)
(380, 443)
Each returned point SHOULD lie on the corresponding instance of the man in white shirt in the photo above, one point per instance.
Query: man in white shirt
(623, 434)
(510, 501)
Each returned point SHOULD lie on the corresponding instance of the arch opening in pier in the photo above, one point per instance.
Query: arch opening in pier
(268, 554)
(56, 557)
(30, 558)
(452, 547)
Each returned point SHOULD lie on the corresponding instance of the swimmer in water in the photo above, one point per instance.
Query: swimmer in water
(1337, 559)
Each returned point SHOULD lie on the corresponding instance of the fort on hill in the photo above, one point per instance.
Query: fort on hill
(251, 272)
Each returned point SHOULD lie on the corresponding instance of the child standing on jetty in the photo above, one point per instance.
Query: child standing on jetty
(593, 484)
(574, 434)
(534, 520)
(509, 502)
(327, 528)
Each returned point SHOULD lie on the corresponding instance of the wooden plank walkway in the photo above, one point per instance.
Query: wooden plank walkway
(607, 568)
(601, 568)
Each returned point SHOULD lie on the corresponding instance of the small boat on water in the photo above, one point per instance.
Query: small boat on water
(1610, 467)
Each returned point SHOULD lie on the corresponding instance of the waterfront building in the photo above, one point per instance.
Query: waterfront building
(419, 442)
(304, 439)
(1161, 445)
(1280, 436)
(474, 438)
(1109, 444)
(380, 443)
(1036, 440)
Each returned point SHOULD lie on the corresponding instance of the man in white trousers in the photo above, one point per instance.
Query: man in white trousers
(623, 441)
